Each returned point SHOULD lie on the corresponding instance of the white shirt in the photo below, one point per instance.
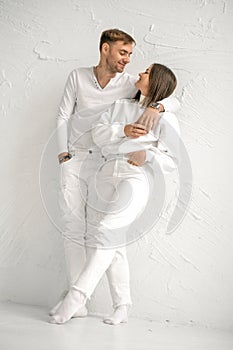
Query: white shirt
(84, 101)
(161, 144)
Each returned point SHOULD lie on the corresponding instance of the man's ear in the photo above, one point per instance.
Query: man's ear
(105, 48)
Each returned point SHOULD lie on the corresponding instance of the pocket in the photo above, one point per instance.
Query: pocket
(132, 166)
(67, 161)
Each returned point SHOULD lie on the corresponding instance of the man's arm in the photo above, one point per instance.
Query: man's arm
(65, 111)
(151, 116)
(166, 154)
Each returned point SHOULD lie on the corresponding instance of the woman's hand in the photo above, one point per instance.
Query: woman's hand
(137, 158)
(135, 130)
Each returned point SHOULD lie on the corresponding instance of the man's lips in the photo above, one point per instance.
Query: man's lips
(122, 65)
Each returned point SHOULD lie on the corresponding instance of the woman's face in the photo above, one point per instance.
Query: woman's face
(143, 82)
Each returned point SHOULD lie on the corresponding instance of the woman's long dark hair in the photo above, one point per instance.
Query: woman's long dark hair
(162, 83)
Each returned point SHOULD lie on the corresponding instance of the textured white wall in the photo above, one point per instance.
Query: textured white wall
(185, 277)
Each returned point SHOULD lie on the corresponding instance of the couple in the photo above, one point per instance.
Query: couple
(115, 143)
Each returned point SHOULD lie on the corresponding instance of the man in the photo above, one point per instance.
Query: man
(88, 93)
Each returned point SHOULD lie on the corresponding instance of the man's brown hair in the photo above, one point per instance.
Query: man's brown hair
(112, 35)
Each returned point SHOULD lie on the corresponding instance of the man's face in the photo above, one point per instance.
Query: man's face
(117, 56)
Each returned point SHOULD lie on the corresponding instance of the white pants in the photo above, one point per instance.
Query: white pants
(78, 200)
(122, 194)
(112, 261)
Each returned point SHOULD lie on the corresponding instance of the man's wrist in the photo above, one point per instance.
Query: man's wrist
(157, 106)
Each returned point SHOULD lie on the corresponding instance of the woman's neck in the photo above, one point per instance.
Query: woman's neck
(141, 98)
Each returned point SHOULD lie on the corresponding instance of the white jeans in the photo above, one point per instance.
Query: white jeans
(132, 191)
(115, 263)
(78, 200)
(122, 191)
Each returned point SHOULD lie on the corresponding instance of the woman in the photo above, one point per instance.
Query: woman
(125, 143)
(123, 183)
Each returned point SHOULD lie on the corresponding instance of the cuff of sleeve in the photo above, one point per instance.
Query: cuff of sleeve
(120, 131)
(62, 150)
(165, 104)
(170, 104)
(149, 156)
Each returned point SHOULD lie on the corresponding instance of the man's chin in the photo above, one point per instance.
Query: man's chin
(121, 69)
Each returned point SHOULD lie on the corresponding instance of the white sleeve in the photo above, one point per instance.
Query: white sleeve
(106, 130)
(170, 104)
(167, 152)
(65, 111)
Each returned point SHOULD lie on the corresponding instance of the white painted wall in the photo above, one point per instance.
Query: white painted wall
(183, 278)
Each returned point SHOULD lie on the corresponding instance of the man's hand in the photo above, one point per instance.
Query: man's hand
(135, 130)
(62, 155)
(150, 118)
(137, 158)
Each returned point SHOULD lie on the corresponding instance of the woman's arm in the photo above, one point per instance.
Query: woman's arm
(106, 130)
(114, 124)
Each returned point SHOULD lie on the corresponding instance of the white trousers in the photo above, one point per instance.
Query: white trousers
(86, 264)
(115, 263)
(122, 194)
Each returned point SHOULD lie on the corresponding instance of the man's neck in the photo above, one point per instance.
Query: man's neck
(103, 75)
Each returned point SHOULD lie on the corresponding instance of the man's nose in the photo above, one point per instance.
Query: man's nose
(127, 59)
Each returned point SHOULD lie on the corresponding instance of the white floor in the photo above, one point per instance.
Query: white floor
(26, 327)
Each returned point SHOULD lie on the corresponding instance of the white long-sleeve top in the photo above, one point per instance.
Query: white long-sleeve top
(161, 144)
(84, 101)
